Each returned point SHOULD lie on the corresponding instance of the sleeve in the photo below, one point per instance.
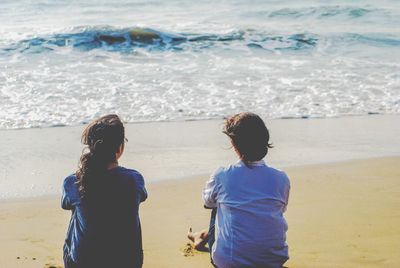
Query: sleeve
(210, 191)
(70, 193)
(287, 193)
(141, 188)
(65, 200)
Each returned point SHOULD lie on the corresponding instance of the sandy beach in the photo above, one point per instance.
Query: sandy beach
(323, 75)
(343, 209)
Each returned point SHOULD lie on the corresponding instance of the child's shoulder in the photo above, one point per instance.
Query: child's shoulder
(279, 174)
(224, 172)
(220, 170)
(227, 169)
(70, 180)
(130, 173)
(276, 170)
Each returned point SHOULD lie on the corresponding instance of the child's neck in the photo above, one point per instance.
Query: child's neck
(112, 165)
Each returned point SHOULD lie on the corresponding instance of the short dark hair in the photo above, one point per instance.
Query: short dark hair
(249, 136)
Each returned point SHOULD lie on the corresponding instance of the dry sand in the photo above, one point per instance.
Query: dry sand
(343, 214)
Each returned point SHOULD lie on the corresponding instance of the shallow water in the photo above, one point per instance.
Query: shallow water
(66, 62)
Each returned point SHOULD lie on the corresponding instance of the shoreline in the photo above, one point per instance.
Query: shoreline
(204, 119)
(342, 214)
(33, 162)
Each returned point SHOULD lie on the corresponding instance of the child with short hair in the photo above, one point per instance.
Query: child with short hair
(248, 199)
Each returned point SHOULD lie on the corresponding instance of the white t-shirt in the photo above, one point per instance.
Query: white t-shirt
(250, 230)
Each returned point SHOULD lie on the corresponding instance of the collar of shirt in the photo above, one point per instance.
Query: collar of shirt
(253, 163)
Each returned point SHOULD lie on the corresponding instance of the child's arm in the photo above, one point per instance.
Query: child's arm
(210, 191)
(287, 192)
(142, 189)
(69, 193)
(65, 202)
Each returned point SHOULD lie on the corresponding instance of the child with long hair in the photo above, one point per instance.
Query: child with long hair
(104, 230)
(248, 199)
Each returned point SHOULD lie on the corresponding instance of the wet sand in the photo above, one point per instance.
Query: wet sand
(34, 162)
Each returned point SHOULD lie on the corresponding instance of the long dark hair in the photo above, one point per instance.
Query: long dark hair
(249, 136)
(102, 138)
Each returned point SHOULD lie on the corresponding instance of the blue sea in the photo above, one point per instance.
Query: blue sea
(65, 62)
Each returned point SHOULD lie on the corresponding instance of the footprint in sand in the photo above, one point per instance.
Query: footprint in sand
(189, 250)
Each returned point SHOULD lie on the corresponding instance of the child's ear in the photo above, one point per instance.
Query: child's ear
(236, 150)
(120, 151)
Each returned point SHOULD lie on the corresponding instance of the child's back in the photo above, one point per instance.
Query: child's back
(251, 202)
(104, 228)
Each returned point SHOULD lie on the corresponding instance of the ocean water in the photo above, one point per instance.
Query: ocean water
(67, 62)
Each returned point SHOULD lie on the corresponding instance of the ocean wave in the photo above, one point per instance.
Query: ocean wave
(319, 12)
(373, 39)
(129, 39)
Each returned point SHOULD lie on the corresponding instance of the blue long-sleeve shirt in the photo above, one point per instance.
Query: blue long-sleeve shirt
(104, 229)
(250, 230)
